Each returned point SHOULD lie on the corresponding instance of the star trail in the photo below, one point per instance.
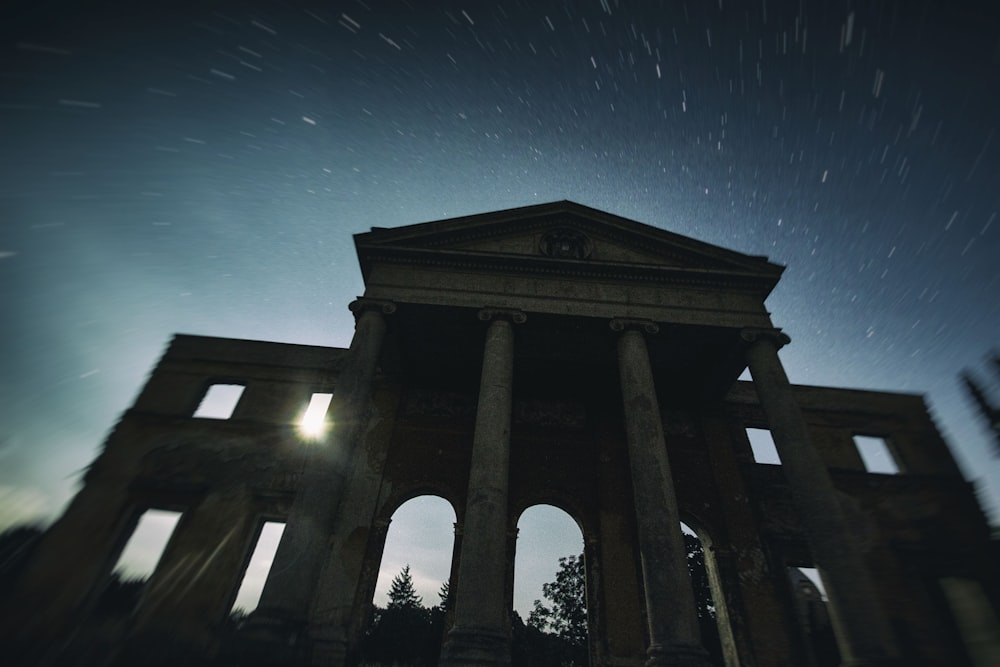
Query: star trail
(200, 168)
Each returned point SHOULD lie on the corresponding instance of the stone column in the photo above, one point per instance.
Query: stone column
(671, 615)
(479, 636)
(862, 628)
(302, 550)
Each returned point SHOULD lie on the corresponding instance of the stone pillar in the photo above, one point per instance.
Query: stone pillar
(976, 619)
(594, 597)
(671, 615)
(479, 636)
(456, 555)
(862, 628)
(302, 550)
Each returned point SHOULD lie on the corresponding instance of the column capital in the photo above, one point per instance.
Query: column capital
(362, 304)
(624, 324)
(775, 336)
(511, 315)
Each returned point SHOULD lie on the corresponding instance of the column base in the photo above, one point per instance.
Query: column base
(269, 639)
(677, 655)
(328, 653)
(475, 646)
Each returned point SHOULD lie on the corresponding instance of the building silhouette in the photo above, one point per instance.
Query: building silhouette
(549, 354)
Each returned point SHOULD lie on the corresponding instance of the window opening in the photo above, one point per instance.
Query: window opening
(145, 546)
(876, 454)
(258, 568)
(219, 401)
(763, 447)
(314, 423)
(136, 563)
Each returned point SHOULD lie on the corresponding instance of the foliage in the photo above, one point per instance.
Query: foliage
(703, 598)
(988, 410)
(402, 594)
(567, 616)
(407, 633)
(556, 634)
(699, 577)
(447, 600)
(404, 632)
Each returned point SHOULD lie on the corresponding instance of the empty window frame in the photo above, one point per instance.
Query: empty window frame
(219, 401)
(763, 447)
(145, 546)
(876, 454)
(258, 567)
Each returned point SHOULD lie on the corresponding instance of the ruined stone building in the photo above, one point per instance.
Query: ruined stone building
(550, 354)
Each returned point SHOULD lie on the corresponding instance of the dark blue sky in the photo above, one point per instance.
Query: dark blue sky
(202, 170)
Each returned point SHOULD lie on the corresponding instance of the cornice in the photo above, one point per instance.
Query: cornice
(573, 268)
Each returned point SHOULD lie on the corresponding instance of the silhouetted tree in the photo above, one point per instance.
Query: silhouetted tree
(989, 411)
(444, 594)
(557, 634)
(567, 617)
(404, 633)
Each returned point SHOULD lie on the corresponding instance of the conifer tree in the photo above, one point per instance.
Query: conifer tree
(444, 595)
(402, 595)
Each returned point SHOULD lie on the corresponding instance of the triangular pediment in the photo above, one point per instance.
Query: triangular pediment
(569, 236)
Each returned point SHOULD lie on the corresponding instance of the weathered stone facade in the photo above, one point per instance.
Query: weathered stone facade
(552, 354)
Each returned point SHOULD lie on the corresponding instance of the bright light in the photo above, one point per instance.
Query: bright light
(313, 424)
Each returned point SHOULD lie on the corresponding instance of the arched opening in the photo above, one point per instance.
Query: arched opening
(713, 619)
(411, 597)
(549, 623)
(812, 613)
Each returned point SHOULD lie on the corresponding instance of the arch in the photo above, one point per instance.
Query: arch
(717, 632)
(553, 534)
(421, 546)
(415, 555)
(565, 503)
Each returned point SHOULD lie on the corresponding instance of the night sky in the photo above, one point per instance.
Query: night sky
(202, 171)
